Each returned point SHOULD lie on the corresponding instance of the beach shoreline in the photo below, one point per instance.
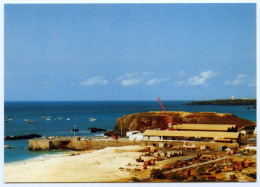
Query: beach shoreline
(76, 166)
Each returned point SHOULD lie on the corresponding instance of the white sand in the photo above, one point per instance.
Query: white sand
(97, 166)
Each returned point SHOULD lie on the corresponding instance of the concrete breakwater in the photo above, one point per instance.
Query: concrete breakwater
(77, 143)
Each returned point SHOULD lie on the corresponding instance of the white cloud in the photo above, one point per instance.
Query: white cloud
(252, 83)
(240, 76)
(95, 81)
(156, 81)
(202, 78)
(133, 78)
(130, 82)
(240, 79)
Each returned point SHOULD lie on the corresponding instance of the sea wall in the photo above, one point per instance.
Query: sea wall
(78, 145)
(39, 144)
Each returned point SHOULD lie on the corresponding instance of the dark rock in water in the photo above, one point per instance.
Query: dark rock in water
(29, 136)
(94, 130)
(75, 130)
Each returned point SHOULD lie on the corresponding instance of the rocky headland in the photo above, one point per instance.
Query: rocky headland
(225, 102)
(152, 120)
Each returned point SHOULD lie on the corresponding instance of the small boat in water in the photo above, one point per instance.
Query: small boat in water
(92, 119)
(68, 118)
(48, 119)
(45, 117)
(60, 118)
(8, 146)
(31, 121)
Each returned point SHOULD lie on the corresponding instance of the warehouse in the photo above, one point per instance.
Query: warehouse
(208, 127)
(162, 135)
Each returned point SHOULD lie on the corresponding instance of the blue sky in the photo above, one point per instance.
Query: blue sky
(130, 51)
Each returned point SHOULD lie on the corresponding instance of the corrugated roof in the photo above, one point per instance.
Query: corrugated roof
(199, 134)
(216, 127)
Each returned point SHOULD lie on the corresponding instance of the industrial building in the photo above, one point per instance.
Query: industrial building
(207, 127)
(195, 132)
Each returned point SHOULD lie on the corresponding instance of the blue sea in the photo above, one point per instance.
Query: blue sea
(79, 112)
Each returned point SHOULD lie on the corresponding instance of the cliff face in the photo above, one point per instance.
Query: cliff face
(152, 120)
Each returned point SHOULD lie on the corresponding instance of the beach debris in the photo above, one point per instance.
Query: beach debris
(152, 162)
(139, 159)
(29, 136)
(74, 154)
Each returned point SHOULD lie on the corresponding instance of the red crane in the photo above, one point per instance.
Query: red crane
(168, 119)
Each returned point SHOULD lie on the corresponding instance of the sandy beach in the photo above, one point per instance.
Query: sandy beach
(95, 166)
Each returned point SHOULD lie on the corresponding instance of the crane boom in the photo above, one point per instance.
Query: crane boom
(168, 120)
(166, 113)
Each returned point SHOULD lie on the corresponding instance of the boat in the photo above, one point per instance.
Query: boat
(92, 119)
(60, 118)
(45, 117)
(31, 121)
(8, 146)
(48, 119)
(68, 118)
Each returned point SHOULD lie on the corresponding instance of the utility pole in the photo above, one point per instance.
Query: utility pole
(121, 131)
(74, 129)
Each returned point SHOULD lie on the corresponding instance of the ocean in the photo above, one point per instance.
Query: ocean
(77, 113)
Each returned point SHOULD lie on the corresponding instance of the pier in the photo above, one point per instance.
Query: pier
(78, 143)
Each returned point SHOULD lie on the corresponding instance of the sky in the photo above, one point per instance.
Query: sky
(129, 52)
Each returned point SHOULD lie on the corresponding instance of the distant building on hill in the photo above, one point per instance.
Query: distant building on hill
(233, 98)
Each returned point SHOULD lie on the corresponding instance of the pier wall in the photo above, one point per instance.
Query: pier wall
(81, 145)
(41, 144)
(77, 144)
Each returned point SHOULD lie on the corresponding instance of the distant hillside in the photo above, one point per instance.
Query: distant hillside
(152, 120)
(225, 102)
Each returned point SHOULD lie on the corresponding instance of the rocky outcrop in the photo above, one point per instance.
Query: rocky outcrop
(29, 136)
(152, 120)
(94, 130)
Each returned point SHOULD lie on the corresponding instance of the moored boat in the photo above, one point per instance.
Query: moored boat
(92, 119)
(31, 121)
